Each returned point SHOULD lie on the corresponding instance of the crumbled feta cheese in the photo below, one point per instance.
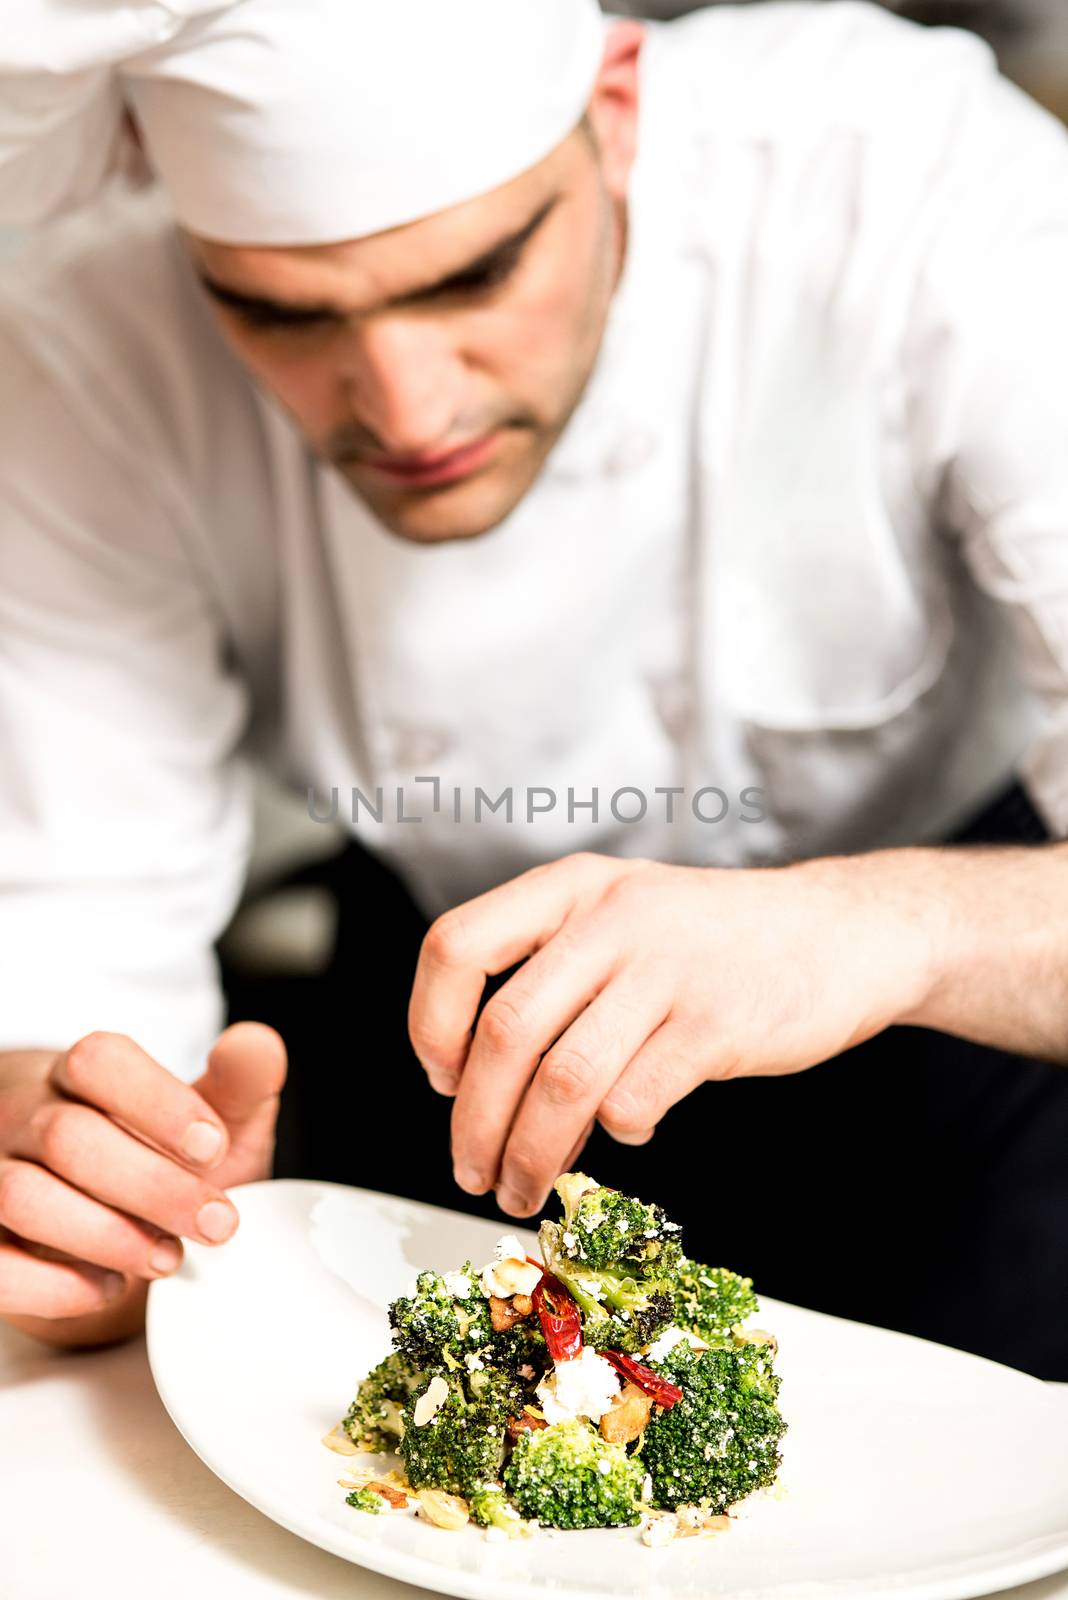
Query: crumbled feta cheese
(474, 1363)
(623, 1224)
(570, 1241)
(458, 1284)
(584, 1387)
(509, 1272)
(429, 1404)
(604, 1467)
(657, 1531)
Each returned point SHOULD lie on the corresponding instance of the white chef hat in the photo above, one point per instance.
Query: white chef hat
(291, 121)
(308, 121)
(62, 127)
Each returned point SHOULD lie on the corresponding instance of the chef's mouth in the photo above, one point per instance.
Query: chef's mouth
(425, 471)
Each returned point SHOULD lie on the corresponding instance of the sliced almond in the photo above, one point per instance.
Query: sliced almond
(340, 1443)
(429, 1404)
(443, 1510)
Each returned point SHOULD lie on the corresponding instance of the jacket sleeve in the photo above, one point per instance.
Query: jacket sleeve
(124, 814)
(989, 347)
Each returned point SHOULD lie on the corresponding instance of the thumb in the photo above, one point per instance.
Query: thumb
(245, 1075)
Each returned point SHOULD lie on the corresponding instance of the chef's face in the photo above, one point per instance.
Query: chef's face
(435, 365)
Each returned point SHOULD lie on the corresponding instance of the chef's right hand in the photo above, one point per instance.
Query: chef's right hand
(107, 1161)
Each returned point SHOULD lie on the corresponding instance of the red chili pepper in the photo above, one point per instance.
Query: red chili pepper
(561, 1322)
(665, 1394)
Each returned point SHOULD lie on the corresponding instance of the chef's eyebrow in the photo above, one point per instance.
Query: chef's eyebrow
(493, 265)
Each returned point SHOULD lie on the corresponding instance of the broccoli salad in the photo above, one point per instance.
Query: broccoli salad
(612, 1383)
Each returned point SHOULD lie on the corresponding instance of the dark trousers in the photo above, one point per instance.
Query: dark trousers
(917, 1181)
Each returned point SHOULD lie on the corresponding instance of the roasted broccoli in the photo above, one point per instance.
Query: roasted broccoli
(495, 1402)
(453, 1440)
(619, 1310)
(496, 1387)
(444, 1313)
(710, 1301)
(366, 1500)
(611, 1232)
(450, 1313)
(567, 1476)
(491, 1508)
(374, 1420)
(721, 1440)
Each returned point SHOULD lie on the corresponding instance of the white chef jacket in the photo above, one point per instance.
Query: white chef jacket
(806, 532)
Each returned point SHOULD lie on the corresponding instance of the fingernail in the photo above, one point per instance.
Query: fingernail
(472, 1181)
(216, 1221)
(514, 1203)
(164, 1256)
(202, 1142)
(112, 1284)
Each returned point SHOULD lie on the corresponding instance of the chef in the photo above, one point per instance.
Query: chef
(619, 471)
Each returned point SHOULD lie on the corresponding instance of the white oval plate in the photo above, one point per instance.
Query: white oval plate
(911, 1471)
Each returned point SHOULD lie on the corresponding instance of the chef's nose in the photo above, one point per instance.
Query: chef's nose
(402, 382)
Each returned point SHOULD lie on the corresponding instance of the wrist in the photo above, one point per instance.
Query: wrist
(897, 920)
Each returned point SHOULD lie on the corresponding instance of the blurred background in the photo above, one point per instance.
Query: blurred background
(1030, 36)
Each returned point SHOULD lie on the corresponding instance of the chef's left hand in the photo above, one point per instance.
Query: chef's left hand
(639, 982)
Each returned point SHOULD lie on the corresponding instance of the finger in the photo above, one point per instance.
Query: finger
(112, 1073)
(41, 1208)
(244, 1079)
(568, 1088)
(577, 1149)
(104, 1161)
(485, 936)
(660, 1075)
(516, 1028)
(35, 1288)
(573, 1154)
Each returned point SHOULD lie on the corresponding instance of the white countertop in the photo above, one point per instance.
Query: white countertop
(100, 1496)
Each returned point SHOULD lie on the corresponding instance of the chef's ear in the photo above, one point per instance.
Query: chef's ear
(612, 113)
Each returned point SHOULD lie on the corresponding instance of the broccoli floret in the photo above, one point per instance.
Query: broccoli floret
(608, 1231)
(567, 1476)
(435, 1318)
(374, 1420)
(710, 1301)
(619, 1311)
(721, 1440)
(630, 1333)
(498, 1388)
(366, 1500)
(462, 1442)
(491, 1508)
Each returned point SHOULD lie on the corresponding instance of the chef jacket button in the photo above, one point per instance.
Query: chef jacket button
(419, 747)
(631, 453)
